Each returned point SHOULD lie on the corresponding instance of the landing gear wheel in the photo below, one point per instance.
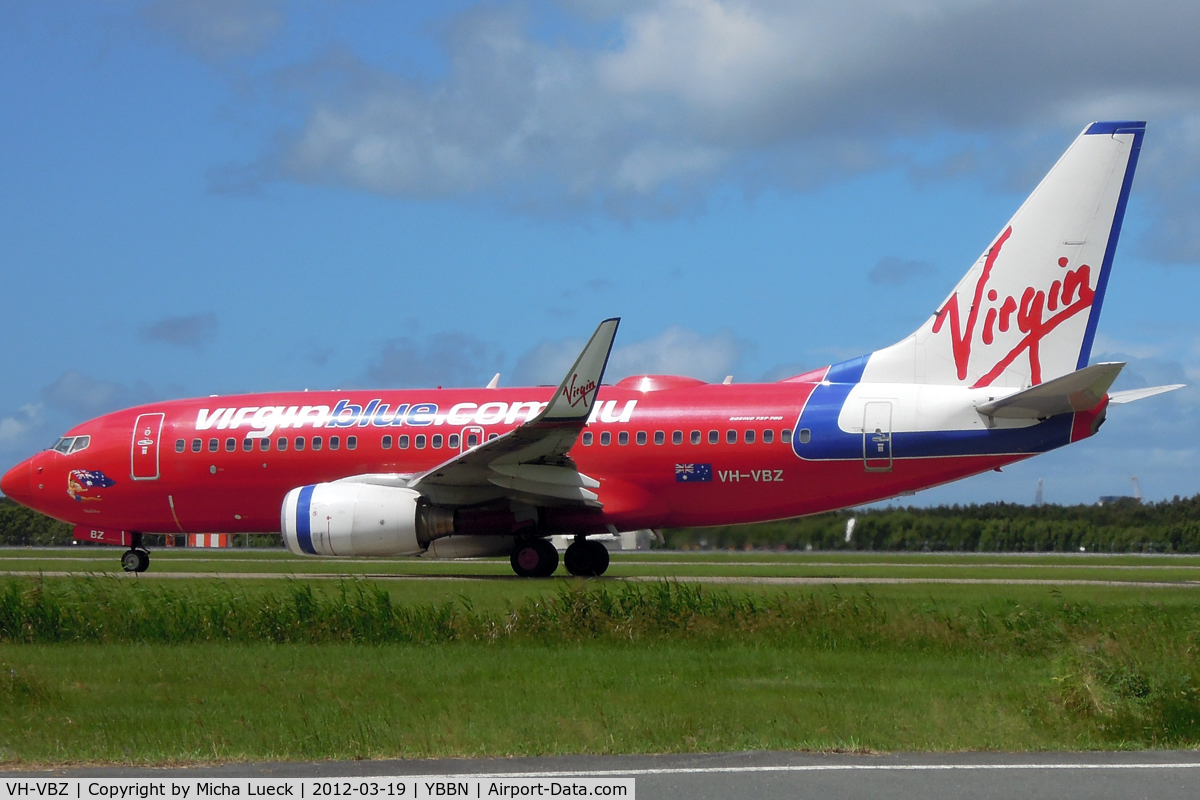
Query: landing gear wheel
(599, 557)
(135, 560)
(586, 559)
(534, 558)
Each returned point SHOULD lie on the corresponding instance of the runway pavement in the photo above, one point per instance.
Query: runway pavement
(1162, 775)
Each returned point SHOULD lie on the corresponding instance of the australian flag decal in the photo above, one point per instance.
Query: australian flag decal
(693, 473)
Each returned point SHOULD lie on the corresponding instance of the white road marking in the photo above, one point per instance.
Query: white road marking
(633, 773)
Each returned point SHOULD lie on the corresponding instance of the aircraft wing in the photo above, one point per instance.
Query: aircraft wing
(530, 462)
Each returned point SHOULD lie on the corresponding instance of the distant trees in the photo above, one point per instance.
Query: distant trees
(1125, 526)
(23, 526)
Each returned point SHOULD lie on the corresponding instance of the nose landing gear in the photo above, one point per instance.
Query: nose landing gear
(136, 558)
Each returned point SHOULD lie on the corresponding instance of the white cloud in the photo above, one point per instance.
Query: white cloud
(15, 429)
(675, 351)
(657, 104)
(216, 30)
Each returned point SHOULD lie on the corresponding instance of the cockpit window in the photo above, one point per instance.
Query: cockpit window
(71, 444)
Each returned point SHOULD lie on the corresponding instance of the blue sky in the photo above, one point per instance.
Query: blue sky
(250, 195)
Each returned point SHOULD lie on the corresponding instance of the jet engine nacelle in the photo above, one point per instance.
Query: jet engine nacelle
(360, 519)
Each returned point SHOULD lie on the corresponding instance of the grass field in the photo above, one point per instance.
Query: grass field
(458, 658)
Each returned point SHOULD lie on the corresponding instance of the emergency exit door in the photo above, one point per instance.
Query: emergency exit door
(877, 436)
(144, 450)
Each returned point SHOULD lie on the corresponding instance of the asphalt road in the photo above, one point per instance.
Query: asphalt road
(1161, 775)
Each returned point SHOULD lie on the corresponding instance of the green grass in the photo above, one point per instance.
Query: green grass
(692, 564)
(113, 670)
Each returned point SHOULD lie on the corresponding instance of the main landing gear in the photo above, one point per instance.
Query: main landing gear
(136, 558)
(537, 558)
(586, 559)
(534, 558)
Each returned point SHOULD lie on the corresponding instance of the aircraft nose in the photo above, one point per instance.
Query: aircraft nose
(16, 482)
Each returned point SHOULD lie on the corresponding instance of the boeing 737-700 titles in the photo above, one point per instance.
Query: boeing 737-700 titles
(997, 374)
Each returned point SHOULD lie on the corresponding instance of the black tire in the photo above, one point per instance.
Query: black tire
(143, 561)
(578, 560)
(599, 558)
(131, 560)
(534, 558)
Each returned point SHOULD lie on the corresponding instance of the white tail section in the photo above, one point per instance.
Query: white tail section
(1026, 312)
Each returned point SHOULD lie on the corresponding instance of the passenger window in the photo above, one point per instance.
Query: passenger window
(180, 445)
(623, 437)
(264, 444)
(351, 442)
(421, 441)
(641, 437)
(749, 437)
(299, 443)
(197, 445)
(587, 438)
(247, 444)
(472, 439)
(714, 437)
(805, 436)
(695, 437)
(437, 441)
(731, 437)
(213, 445)
(676, 437)
(785, 435)
(281, 443)
(317, 442)
(605, 438)
(387, 443)
(659, 437)
(492, 436)
(768, 436)
(452, 441)
(230, 445)
(403, 442)
(335, 442)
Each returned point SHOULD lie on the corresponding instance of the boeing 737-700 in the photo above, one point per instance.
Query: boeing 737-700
(999, 372)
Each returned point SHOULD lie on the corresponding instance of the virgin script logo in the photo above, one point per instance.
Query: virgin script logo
(577, 394)
(1065, 298)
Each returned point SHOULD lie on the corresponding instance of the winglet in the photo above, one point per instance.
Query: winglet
(576, 394)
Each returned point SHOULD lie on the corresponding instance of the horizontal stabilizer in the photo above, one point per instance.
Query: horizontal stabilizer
(1129, 395)
(1081, 390)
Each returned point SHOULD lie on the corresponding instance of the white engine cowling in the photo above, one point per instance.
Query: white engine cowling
(359, 519)
(470, 547)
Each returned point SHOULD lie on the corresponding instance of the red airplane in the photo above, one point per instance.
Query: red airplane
(998, 374)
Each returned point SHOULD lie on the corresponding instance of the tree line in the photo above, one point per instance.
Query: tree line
(1124, 526)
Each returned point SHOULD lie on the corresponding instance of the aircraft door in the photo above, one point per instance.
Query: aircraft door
(877, 436)
(143, 458)
(472, 436)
